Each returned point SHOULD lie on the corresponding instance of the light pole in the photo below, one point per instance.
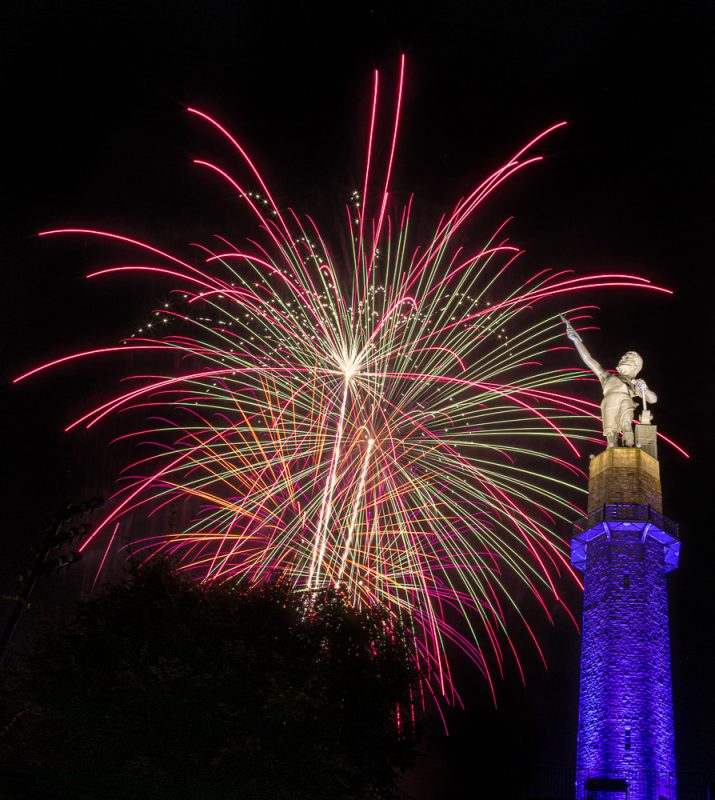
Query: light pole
(57, 536)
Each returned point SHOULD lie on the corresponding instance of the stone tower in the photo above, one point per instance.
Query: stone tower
(625, 547)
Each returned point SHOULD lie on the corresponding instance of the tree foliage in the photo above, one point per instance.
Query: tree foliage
(162, 688)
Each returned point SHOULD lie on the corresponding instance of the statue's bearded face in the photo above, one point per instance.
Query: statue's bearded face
(630, 365)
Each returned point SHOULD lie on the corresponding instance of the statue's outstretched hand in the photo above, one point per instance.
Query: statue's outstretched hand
(570, 332)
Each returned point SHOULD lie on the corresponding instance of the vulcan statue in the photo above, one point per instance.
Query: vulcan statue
(619, 390)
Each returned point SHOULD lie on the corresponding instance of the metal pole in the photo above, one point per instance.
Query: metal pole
(23, 597)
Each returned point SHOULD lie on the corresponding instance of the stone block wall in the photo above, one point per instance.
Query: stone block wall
(625, 707)
(624, 475)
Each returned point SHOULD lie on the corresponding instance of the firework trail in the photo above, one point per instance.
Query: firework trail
(398, 425)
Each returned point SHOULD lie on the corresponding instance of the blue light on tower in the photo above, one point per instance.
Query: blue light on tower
(625, 548)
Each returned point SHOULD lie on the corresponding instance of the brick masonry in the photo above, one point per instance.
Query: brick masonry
(624, 475)
(625, 707)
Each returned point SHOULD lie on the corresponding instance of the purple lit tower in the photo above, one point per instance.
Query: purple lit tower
(625, 548)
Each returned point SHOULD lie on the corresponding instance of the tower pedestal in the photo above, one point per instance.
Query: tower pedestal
(625, 547)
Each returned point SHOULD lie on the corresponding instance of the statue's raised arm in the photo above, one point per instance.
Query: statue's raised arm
(619, 391)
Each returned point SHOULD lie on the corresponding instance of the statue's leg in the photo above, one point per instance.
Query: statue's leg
(626, 422)
(610, 414)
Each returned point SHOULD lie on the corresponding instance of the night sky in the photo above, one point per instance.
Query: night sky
(96, 135)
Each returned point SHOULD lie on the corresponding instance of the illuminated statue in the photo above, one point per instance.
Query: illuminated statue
(619, 390)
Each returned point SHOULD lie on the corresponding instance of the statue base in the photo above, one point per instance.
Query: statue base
(624, 475)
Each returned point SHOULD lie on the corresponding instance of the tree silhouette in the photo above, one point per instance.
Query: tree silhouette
(164, 688)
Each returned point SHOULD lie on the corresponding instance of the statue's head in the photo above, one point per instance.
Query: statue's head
(630, 364)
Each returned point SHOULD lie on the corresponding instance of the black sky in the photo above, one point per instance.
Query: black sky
(95, 134)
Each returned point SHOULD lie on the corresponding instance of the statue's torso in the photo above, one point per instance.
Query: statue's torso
(617, 385)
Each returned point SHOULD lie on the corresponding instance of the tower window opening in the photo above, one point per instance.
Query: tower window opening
(628, 738)
(626, 581)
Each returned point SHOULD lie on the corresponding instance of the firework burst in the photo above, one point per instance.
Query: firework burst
(399, 425)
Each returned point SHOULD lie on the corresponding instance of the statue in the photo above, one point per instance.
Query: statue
(619, 391)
